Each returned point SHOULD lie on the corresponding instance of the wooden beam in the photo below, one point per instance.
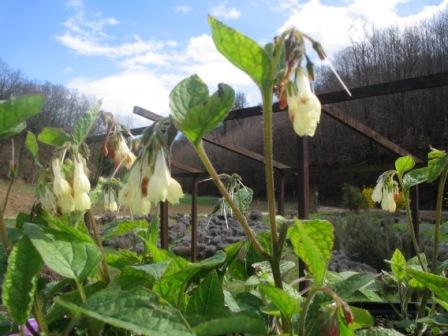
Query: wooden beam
(339, 115)
(194, 219)
(185, 167)
(375, 90)
(230, 147)
(164, 225)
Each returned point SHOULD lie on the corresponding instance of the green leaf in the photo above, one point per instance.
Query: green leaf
(53, 136)
(361, 318)
(63, 252)
(347, 287)
(404, 164)
(242, 51)
(207, 301)
(436, 166)
(85, 124)
(116, 229)
(16, 110)
(312, 241)
(239, 323)
(194, 112)
(19, 286)
(178, 276)
(435, 283)
(287, 304)
(144, 275)
(122, 258)
(13, 131)
(138, 310)
(415, 177)
(398, 263)
(31, 144)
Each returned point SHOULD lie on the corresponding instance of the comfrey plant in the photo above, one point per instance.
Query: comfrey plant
(61, 275)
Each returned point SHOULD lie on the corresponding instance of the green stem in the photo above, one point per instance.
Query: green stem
(222, 189)
(8, 191)
(82, 293)
(91, 223)
(4, 232)
(439, 206)
(39, 314)
(411, 224)
(306, 307)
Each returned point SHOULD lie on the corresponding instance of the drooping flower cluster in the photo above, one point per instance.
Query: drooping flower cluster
(149, 182)
(386, 192)
(117, 149)
(74, 195)
(110, 203)
(303, 106)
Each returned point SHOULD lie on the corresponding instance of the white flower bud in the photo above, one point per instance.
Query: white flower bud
(66, 203)
(81, 183)
(82, 201)
(60, 185)
(174, 191)
(303, 106)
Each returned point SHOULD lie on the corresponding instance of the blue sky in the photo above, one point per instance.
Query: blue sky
(133, 52)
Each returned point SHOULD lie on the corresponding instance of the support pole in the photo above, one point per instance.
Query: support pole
(303, 191)
(303, 185)
(164, 225)
(281, 194)
(194, 219)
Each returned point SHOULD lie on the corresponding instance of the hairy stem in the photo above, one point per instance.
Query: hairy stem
(222, 189)
(306, 307)
(438, 221)
(39, 314)
(411, 224)
(91, 223)
(3, 232)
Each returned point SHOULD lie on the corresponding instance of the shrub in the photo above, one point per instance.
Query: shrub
(367, 198)
(352, 197)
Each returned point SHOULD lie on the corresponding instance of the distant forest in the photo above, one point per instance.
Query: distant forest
(414, 120)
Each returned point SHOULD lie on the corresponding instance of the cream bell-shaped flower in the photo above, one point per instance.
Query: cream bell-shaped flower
(82, 201)
(303, 106)
(174, 191)
(388, 201)
(123, 153)
(81, 183)
(60, 185)
(133, 193)
(385, 193)
(66, 203)
(159, 181)
(109, 201)
(377, 194)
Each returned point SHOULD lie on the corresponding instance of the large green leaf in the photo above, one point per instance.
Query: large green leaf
(13, 131)
(312, 241)
(63, 252)
(436, 283)
(438, 161)
(144, 275)
(138, 310)
(238, 323)
(53, 136)
(177, 277)
(207, 301)
(397, 265)
(378, 331)
(404, 163)
(31, 144)
(415, 176)
(24, 264)
(284, 302)
(16, 110)
(122, 258)
(116, 229)
(347, 287)
(194, 112)
(242, 51)
(361, 318)
(85, 124)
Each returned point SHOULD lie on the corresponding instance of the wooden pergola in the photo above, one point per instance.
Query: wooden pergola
(302, 170)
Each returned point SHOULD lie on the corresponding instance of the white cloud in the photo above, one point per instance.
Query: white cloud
(183, 9)
(336, 26)
(222, 11)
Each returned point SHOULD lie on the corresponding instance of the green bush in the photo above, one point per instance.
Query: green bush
(352, 198)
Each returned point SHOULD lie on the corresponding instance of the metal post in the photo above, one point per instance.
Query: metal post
(281, 194)
(194, 219)
(415, 199)
(303, 187)
(164, 225)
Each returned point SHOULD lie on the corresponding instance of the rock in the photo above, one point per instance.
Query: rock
(182, 250)
(255, 215)
(341, 263)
